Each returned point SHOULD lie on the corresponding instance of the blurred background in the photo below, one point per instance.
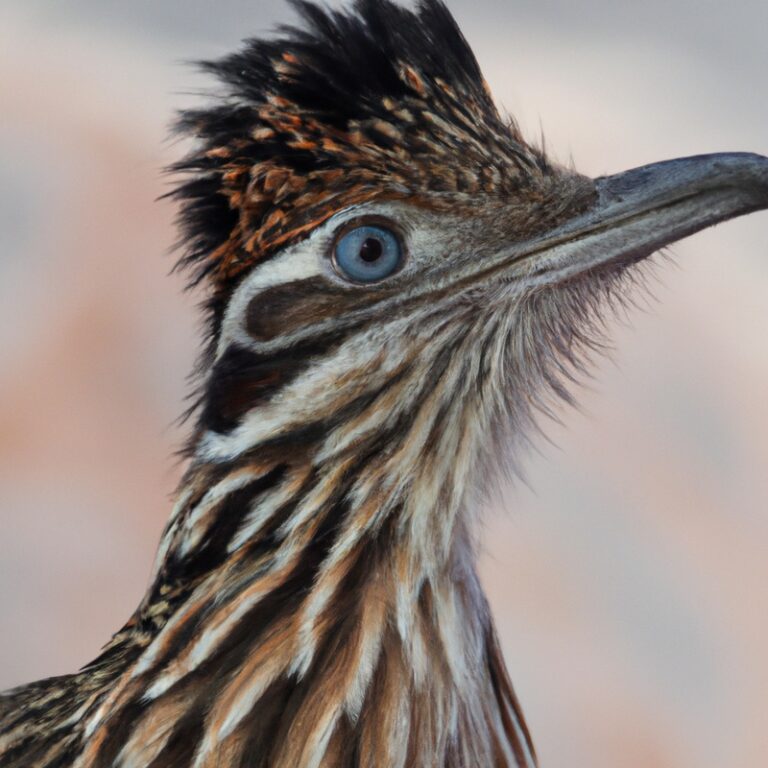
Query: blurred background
(630, 581)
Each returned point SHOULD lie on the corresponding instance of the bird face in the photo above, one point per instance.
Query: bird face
(381, 290)
(389, 262)
(379, 286)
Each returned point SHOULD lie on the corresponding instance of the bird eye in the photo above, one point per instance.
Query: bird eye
(367, 254)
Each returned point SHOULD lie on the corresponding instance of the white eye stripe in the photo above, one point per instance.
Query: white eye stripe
(303, 260)
(299, 262)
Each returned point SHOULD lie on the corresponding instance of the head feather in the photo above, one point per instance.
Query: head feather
(372, 103)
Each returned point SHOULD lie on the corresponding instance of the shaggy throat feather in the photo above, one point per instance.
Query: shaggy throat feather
(337, 609)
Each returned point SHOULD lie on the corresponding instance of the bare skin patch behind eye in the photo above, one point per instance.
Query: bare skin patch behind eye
(285, 309)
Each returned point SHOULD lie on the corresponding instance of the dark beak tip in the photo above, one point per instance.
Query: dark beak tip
(743, 171)
(744, 168)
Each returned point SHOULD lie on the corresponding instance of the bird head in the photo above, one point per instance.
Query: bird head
(387, 256)
(363, 214)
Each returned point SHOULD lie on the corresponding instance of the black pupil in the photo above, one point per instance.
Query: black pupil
(371, 250)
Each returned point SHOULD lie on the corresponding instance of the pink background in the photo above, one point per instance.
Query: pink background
(629, 585)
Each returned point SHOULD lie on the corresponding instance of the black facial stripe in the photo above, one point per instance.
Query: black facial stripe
(242, 378)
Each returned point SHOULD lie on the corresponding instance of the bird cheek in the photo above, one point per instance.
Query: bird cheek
(284, 310)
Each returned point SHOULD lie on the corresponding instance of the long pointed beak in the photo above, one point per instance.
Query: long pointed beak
(640, 211)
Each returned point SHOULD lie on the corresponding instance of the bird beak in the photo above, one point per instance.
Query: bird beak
(640, 211)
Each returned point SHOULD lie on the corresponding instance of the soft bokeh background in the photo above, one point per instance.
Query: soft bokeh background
(630, 586)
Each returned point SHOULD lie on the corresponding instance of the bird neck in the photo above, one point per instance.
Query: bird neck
(315, 602)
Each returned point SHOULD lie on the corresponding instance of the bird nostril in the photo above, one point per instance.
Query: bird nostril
(371, 250)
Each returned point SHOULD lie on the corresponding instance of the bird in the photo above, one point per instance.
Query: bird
(398, 288)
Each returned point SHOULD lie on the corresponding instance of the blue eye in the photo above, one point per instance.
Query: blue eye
(367, 254)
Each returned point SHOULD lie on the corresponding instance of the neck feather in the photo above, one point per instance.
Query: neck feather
(315, 600)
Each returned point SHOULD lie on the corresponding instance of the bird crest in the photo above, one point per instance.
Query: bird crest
(380, 103)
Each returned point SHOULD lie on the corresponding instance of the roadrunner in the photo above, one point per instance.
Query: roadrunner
(398, 282)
